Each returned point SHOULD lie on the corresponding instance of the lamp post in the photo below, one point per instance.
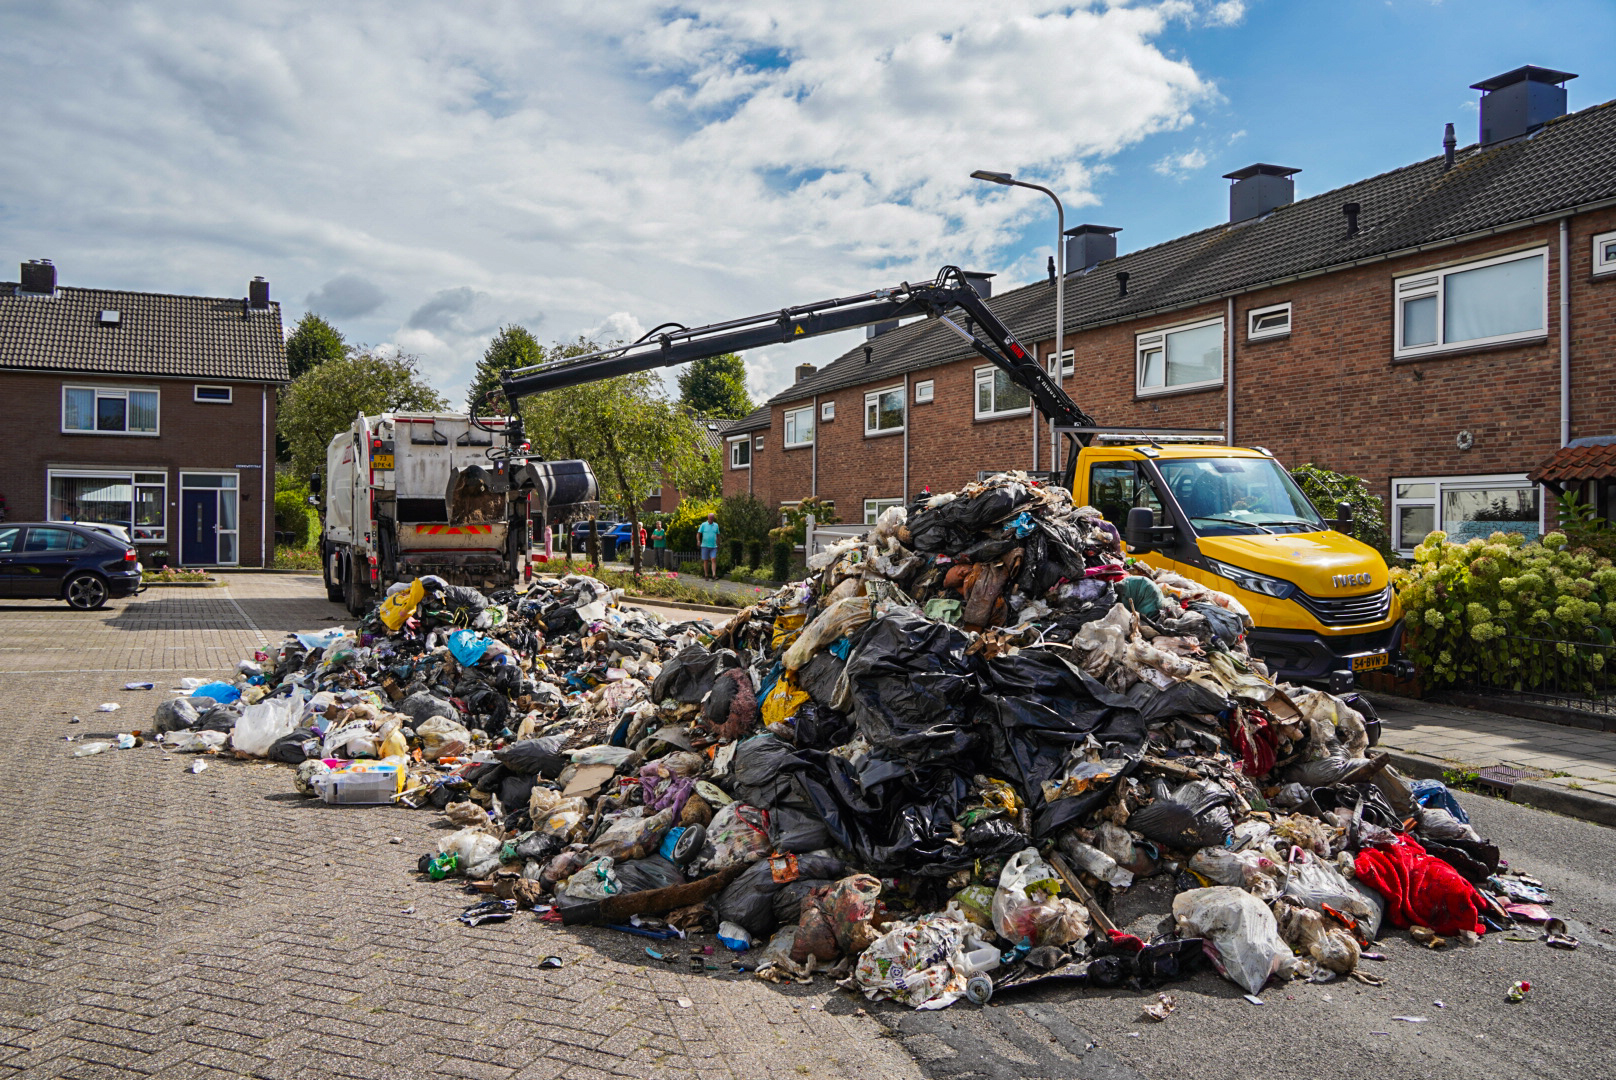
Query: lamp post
(1060, 281)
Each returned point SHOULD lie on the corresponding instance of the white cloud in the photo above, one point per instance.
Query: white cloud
(1226, 13)
(449, 169)
(1180, 165)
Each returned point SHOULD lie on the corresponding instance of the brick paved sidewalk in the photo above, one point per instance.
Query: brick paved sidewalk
(156, 922)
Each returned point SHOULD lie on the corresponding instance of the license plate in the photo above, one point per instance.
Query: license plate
(1371, 662)
(381, 461)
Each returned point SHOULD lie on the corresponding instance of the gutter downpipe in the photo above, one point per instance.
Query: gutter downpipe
(265, 477)
(1228, 390)
(908, 415)
(1565, 332)
(813, 454)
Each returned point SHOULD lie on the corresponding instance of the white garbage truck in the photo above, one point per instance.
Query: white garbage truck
(409, 494)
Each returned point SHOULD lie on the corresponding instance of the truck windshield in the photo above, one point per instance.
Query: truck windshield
(1238, 496)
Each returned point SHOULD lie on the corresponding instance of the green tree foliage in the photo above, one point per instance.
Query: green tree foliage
(795, 528)
(631, 434)
(293, 514)
(327, 398)
(716, 387)
(1326, 488)
(312, 343)
(745, 517)
(686, 516)
(513, 347)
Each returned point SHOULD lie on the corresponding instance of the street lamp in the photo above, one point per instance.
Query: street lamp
(1060, 283)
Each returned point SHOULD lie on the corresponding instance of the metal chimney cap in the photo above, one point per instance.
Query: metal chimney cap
(1100, 230)
(1261, 169)
(1529, 73)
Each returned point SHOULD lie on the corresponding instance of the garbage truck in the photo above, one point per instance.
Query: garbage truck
(1229, 517)
(408, 494)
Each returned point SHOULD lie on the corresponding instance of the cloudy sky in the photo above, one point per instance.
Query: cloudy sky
(423, 173)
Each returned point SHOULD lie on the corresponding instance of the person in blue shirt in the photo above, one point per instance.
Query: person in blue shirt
(707, 536)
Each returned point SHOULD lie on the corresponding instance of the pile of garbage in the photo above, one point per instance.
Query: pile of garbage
(930, 770)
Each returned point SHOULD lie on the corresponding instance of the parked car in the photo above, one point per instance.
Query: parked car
(618, 531)
(117, 532)
(52, 560)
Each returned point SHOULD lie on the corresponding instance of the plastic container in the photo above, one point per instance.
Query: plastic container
(981, 957)
(371, 784)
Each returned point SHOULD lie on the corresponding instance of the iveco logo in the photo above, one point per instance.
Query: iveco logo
(1342, 581)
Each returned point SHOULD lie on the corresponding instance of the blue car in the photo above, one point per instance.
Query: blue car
(51, 560)
(618, 531)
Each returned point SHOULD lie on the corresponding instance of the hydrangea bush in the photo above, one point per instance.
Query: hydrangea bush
(1506, 613)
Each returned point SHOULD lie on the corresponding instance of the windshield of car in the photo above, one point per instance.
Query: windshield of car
(1238, 496)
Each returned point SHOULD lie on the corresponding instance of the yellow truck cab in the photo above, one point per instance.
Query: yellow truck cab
(1233, 519)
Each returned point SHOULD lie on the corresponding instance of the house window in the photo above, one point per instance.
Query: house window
(740, 453)
(1479, 303)
(1464, 507)
(134, 500)
(757, 443)
(220, 394)
(1268, 322)
(799, 427)
(997, 395)
(883, 411)
(827, 411)
(874, 508)
(108, 411)
(1181, 358)
(925, 391)
(1605, 253)
(1065, 364)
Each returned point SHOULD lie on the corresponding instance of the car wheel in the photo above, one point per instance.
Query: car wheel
(86, 592)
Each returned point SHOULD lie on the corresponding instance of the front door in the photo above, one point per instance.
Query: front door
(199, 527)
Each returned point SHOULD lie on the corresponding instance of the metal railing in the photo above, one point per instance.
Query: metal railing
(1563, 674)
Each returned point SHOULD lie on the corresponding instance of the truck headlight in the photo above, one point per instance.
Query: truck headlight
(1252, 582)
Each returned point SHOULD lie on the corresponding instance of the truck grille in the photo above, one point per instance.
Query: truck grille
(1348, 610)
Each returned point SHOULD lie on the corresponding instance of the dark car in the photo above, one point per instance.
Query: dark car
(618, 531)
(57, 561)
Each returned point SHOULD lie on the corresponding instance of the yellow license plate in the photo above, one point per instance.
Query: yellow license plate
(381, 461)
(1371, 662)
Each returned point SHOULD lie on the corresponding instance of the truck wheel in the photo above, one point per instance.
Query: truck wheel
(333, 590)
(353, 592)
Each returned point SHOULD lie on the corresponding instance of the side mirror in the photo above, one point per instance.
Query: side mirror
(315, 482)
(1343, 518)
(1138, 534)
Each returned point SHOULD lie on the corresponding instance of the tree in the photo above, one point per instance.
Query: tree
(716, 387)
(626, 428)
(1326, 488)
(745, 517)
(513, 347)
(313, 343)
(325, 400)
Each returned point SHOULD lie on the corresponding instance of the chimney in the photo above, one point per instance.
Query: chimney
(805, 370)
(1122, 284)
(1089, 245)
(258, 294)
(982, 283)
(875, 330)
(1258, 189)
(1351, 211)
(1517, 103)
(38, 276)
(1449, 144)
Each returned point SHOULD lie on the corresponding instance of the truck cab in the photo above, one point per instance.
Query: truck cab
(1233, 519)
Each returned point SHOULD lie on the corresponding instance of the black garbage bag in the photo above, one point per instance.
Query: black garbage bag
(535, 757)
(219, 718)
(651, 872)
(788, 901)
(820, 728)
(930, 531)
(459, 604)
(819, 676)
(797, 831)
(914, 689)
(487, 776)
(1195, 816)
(1375, 808)
(990, 549)
(514, 789)
(295, 747)
(1179, 699)
(749, 900)
(422, 706)
(484, 702)
(759, 772)
(540, 846)
(689, 675)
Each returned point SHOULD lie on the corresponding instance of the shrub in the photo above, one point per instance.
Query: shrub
(754, 553)
(782, 560)
(737, 551)
(795, 527)
(1326, 488)
(744, 517)
(682, 525)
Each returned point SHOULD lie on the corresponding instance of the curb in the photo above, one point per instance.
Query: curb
(1584, 805)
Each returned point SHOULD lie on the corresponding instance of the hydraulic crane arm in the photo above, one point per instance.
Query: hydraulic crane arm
(949, 298)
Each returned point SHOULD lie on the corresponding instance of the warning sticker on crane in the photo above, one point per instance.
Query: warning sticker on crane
(453, 530)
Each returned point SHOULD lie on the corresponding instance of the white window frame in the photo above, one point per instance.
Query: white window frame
(925, 392)
(140, 534)
(757, 444)
(791, 427)
(1152, 339)
(735, 446)
(1601, 264)
(235, 489)
(1433, 283)
(873, 508)
(113, 392)
(229, 395)
(827, 411)
(1256, 314)
(1438, 483)
(1068, 360)
(987, 375)
(874, 397)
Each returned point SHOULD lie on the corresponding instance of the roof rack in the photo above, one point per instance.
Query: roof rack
(1116, 435)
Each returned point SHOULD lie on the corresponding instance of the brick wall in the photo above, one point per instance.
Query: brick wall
(1331, 392)
(191, 436)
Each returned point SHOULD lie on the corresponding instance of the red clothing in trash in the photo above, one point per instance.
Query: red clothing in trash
(1420, 889)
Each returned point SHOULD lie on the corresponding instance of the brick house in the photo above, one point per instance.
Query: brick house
(144, 410)
(1438, 330)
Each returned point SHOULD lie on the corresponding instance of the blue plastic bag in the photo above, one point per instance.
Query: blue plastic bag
(1435, 793)
(222, 692)
(467, 647)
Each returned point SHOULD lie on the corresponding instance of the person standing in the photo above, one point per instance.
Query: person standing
(707, 536)
(659, 545)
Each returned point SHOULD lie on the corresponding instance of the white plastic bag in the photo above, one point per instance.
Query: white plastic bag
(1250, 870)
(922, 963)
(261, 724)
(1028, 907)
(442, 737)
(1240, 928)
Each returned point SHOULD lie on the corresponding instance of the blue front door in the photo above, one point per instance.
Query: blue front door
(199, 528)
